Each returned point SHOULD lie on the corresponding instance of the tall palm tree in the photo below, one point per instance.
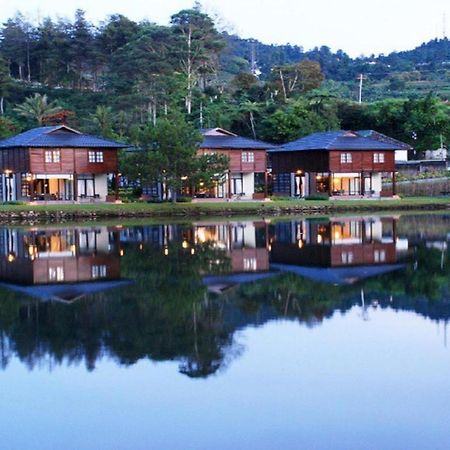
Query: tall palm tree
(37, 107)
(103, 119)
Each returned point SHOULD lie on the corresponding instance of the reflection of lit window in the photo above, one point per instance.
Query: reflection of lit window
(56, 273)
(98, 271)
(250, 264)
(379, 255)
(347, 257)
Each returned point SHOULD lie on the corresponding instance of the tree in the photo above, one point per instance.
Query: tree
(103, 120)
(294, 79)
(36, 108)
(5, 83)
(199, 45)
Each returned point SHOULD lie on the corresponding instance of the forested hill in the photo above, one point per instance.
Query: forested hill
(433, 55)
(118, 77)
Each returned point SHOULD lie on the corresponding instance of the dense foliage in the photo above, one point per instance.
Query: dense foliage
(119, 77)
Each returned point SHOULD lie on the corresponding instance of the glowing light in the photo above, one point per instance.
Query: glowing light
(299, 172)
(11, 257)
(337, 235)
(141, 247)
(192, 251)
(300, 243)
(319, 239)
(184, 178)
(166, 251)
(185, 244)
(121, 252)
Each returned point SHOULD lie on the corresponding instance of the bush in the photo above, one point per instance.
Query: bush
(317, 197)
(15, 202)
(184, 199)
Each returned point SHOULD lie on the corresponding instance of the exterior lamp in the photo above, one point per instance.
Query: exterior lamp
(11, 257)
(184, 178)
(185, 244)
(121, 252)
(166, 251)
(299, 172)
(300, 243)
(192, 251)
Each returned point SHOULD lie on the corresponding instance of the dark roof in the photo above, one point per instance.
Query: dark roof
(66, 292)
(58, 136)
(338, 275)
(335, 140)
(383, 138)
(223, 139)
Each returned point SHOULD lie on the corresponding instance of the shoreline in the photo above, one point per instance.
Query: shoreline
(39, 213)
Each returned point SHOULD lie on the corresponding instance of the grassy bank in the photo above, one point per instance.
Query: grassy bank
(50, 212)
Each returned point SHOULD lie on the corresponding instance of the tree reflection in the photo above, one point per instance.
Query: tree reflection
(169, 314)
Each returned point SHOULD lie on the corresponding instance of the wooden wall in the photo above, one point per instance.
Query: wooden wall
(15, 159)
(236, 164)
(307, 161)
(73, 160)
(362, 161)
(325, 161)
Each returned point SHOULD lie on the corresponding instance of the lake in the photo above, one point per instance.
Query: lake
(299, 333)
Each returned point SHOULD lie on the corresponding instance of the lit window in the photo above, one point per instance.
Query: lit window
(346, 158)
(248, 157)
(378, 157)
(95, 157)
(48, 156)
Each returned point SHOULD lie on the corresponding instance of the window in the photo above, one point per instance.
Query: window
(378, 157)
(56, 273)
(86, 186)
(95, 157)
(347, 257)
(346, 158)
(52, 156)
(248, 157)
(379, 256)
(98, 271)
(250, 264)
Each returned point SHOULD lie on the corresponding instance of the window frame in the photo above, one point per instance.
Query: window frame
(95, 156)
(378, 158)
(346, 158)
(52, 156)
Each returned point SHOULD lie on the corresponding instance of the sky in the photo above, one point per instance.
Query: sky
(355, 26)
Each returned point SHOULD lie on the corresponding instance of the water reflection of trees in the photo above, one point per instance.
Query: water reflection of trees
(168, 314)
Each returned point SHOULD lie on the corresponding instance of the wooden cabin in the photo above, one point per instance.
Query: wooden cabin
(57, 163)
(61, 264)
(335, 163)
(339, 250)
(246, 176)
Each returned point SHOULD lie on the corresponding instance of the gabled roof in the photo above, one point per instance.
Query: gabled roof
(383, 138)
(335, 140)
(218, 138)
(65, 292)
(338, 275)
(58, 136)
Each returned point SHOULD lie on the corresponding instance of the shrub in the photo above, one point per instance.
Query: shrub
(317, 197)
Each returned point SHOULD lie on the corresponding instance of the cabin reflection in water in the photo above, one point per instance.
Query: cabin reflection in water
(342, 250)
(59, 264)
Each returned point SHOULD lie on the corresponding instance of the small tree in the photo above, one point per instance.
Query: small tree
(36, 108)
(169, 155)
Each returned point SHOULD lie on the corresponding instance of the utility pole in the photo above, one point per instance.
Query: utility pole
(361, 78)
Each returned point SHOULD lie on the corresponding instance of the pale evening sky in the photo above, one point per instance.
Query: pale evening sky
(356, 26)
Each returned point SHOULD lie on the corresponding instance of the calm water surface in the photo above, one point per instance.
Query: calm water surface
(310, 333)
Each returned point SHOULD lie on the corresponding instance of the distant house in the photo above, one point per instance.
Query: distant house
(57, 163)
(336, 163)
(246, 176)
